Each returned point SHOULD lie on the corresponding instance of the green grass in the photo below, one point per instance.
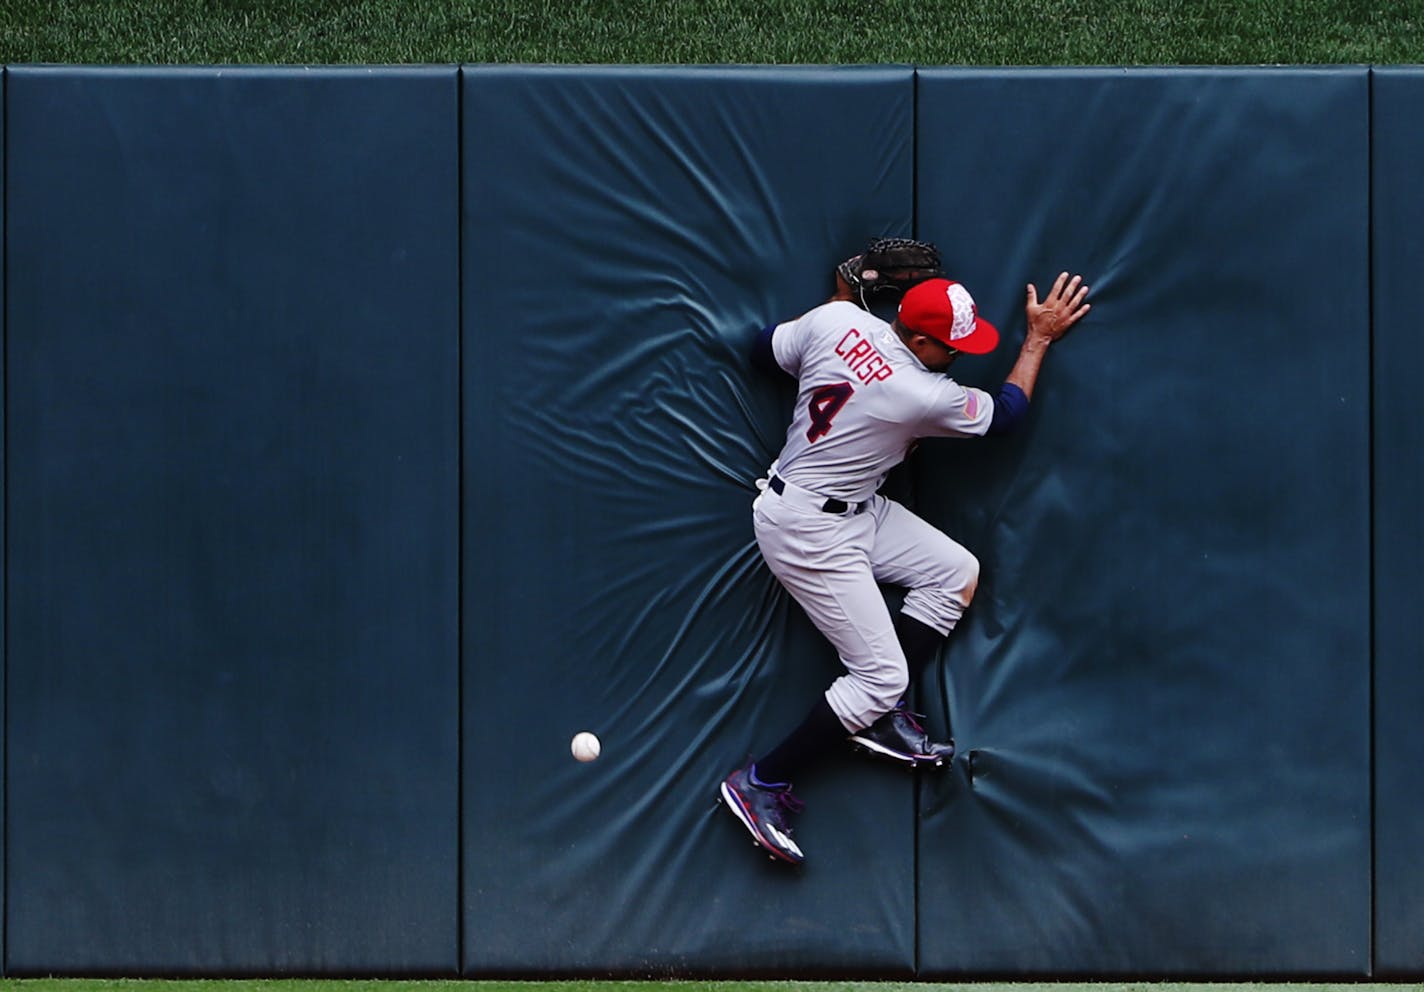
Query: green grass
(924, 32)
(319, 985)
(322, 985)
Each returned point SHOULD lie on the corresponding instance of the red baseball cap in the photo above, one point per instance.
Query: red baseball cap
(944, 310)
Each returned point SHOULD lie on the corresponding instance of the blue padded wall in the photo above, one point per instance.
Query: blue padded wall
(232, 342)
(648, 222)
(1398, 212)
(234, 325)
(1165, 676)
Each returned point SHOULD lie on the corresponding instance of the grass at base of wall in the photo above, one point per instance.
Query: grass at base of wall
(331, 985)
(925, 32)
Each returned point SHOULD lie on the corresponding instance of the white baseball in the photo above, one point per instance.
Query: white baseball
(585, 746)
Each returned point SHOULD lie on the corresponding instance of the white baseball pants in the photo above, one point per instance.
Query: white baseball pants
(832, 564)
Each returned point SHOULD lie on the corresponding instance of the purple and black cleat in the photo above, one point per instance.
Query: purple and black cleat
(898, 736)
(764, 810)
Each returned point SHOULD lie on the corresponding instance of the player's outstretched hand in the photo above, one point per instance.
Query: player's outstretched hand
(1064, 306)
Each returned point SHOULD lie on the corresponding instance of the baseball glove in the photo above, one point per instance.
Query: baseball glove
(888, 267)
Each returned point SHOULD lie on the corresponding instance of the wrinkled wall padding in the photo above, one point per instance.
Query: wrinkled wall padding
(371, 431)
(1165, 677)
(232, 341)
(626, 232)
(1399, 536)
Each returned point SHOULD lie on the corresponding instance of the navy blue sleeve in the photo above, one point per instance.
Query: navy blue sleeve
(1010, 408)
(762, 355)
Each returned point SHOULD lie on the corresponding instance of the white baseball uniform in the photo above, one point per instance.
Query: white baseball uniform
(863, 400)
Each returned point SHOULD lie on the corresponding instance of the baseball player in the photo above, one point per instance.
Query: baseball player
(866, 391)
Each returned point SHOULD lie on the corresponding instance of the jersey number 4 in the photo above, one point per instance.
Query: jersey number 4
(826, 402)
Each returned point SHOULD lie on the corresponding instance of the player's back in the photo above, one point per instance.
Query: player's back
(861, 401)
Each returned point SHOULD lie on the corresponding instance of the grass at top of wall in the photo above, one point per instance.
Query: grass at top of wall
(333, 985)
(927, 32)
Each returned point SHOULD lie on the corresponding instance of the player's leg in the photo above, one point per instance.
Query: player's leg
(823, 561)
(939, 574)
(941, 577)
(875, 678)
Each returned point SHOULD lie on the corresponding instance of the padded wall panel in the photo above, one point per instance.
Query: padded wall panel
(1165, 676)
(233, 341)
(1398, 211)
(647, 223)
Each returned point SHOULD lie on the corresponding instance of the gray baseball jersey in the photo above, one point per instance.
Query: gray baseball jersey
(863, 400)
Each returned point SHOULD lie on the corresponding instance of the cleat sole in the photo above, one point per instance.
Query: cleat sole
(736, 809)
(899, 757)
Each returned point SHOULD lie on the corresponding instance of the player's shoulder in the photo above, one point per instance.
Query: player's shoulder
(837, 310)
(943, 386)
(932, 390)
(959, 406)
(843, 313)
(845, 307)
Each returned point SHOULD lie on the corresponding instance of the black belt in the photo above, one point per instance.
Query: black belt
(829, 506)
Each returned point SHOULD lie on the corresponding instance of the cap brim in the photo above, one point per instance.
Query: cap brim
(980, 341)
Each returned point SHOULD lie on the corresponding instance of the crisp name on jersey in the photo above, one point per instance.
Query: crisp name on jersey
(862, 358)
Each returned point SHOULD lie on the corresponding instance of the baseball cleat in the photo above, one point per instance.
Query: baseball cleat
(763, 810)
(898, 736)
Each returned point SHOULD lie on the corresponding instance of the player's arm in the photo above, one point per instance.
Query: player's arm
(763, 355)
(764, 352)
(1065, 305)
(777, 348)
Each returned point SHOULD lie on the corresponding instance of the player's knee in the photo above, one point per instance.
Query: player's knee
(942, 603)
(970, 571)
(959, 580)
